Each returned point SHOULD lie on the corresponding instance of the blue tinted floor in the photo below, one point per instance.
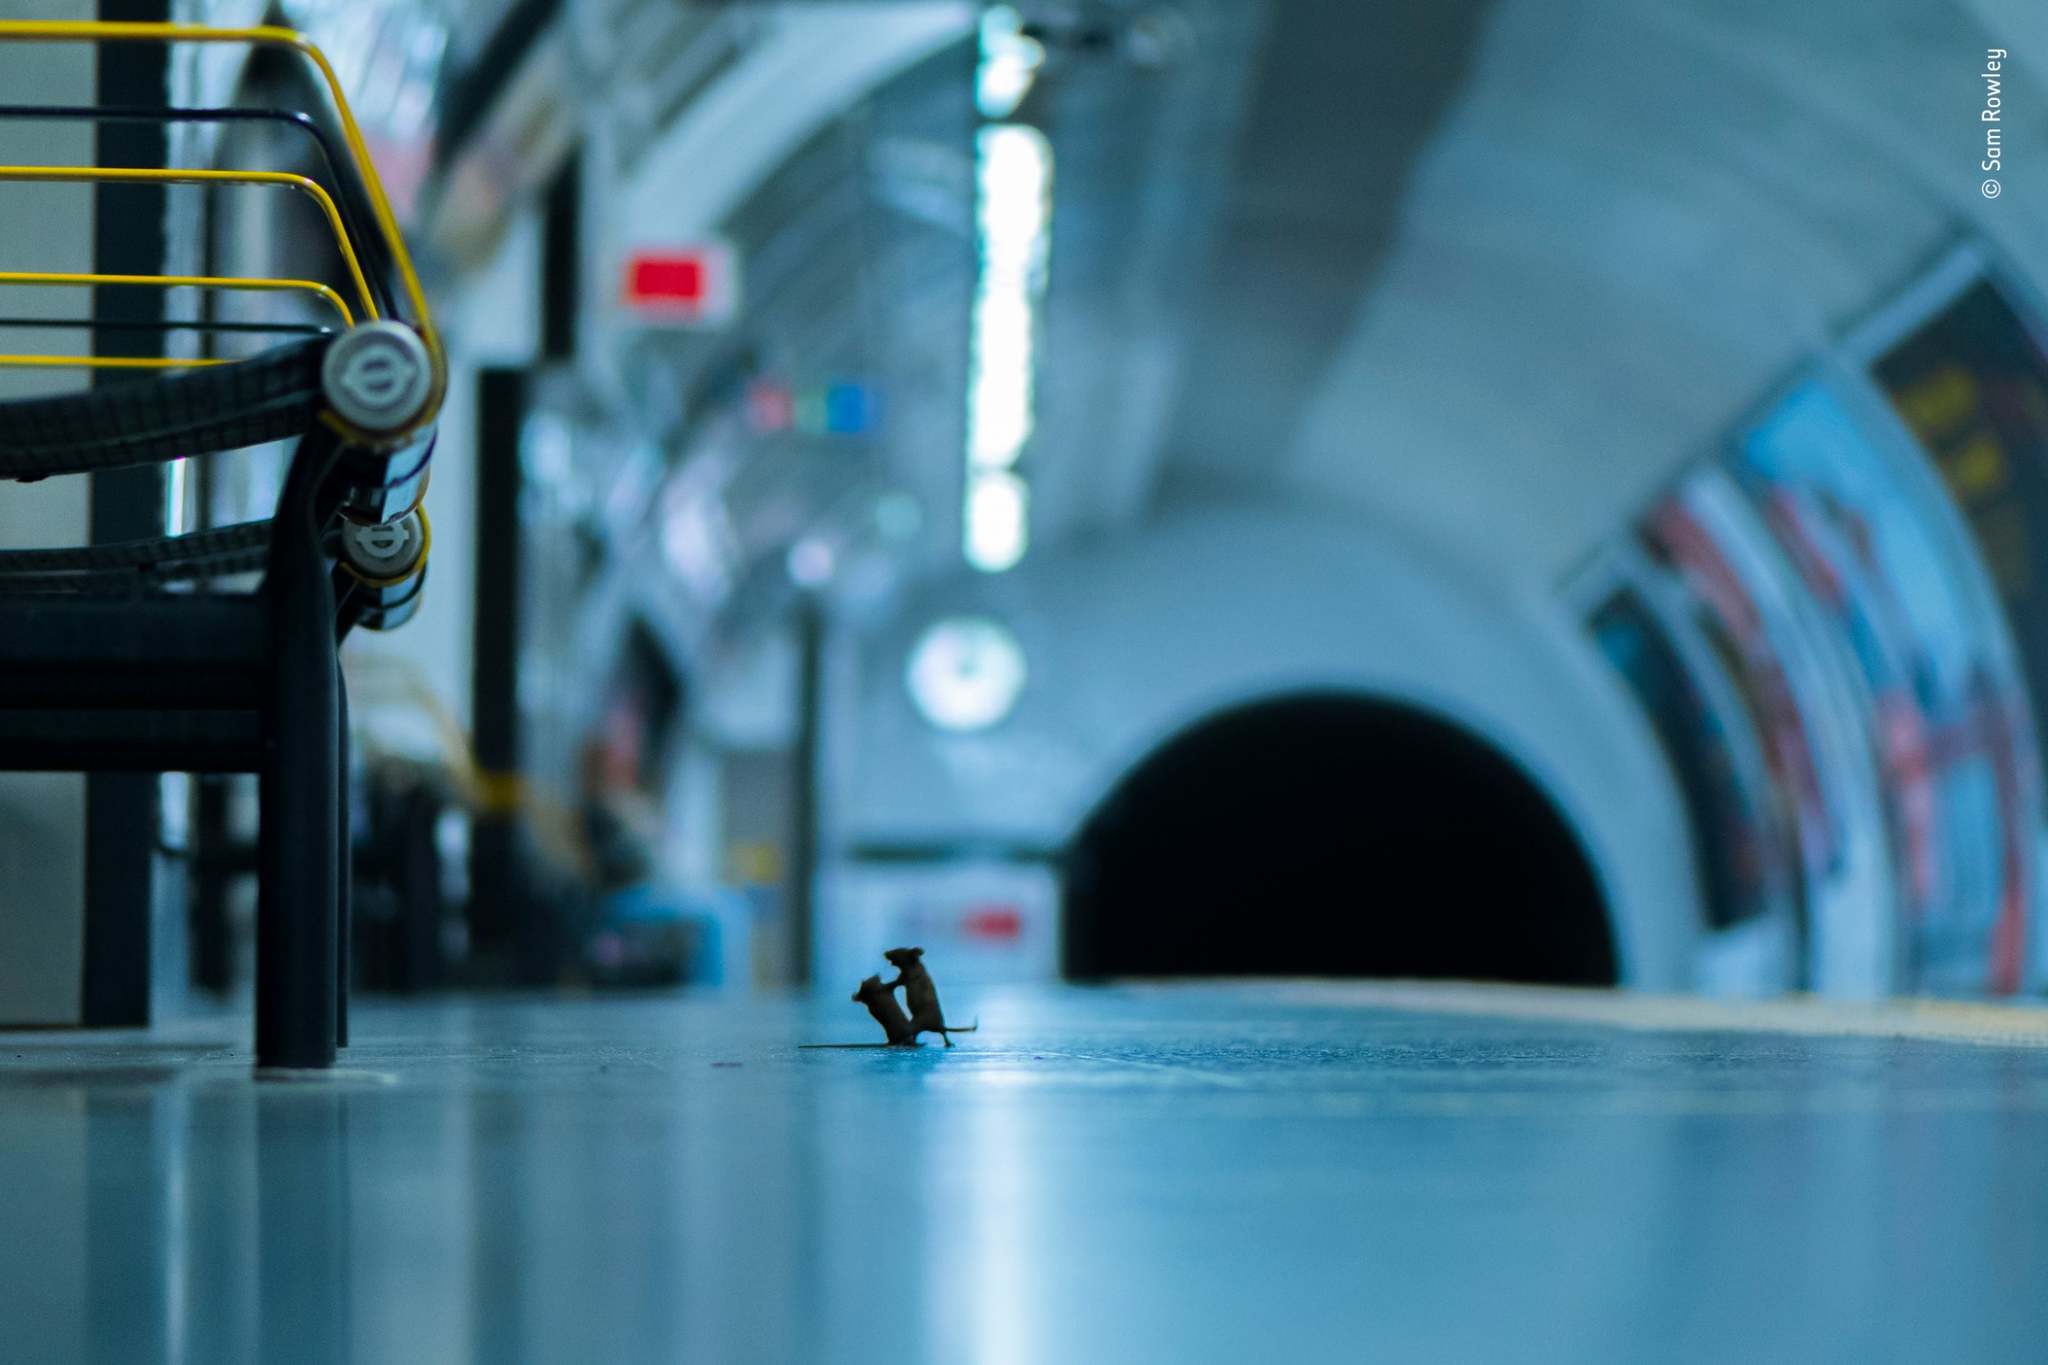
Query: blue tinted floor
(1173, 1174)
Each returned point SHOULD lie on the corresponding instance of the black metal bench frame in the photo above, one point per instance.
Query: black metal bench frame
(104, 670)
(105, 666)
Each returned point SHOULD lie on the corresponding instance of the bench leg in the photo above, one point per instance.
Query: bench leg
(298, 862)
(344, 925)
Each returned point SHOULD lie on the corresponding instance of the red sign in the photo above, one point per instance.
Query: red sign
(693, 285)
(667, 279)
(992, 921)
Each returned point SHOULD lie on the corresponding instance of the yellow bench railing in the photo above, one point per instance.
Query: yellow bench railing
(393, 244)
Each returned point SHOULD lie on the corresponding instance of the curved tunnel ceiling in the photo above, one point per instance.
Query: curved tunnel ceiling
(1635, 221)
(1320, 169)
(1425, 268)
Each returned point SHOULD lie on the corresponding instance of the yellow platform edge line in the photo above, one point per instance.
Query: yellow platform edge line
(1982, 1023)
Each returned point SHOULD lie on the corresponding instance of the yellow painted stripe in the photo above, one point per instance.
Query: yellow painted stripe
(500, 793)
(1985, 1023)
(172, 176)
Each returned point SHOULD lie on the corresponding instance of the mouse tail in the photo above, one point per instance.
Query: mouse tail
(974, 1027)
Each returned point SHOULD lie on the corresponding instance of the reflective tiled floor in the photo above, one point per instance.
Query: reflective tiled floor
(1174, 1174)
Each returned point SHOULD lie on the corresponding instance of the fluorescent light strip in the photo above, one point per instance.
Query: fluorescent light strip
(1009, 62)
(1013, 216)
(998, 520)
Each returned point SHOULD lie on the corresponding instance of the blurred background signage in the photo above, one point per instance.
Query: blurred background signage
(690, 285)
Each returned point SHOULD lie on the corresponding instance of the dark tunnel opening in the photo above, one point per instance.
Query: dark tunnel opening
(1332, 835)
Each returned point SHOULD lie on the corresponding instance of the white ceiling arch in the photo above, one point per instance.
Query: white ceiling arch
(810, 65)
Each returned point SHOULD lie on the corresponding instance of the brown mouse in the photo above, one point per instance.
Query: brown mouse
(881, 1002)
(921, 995)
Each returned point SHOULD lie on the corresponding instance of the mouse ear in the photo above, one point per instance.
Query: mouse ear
(918, 952)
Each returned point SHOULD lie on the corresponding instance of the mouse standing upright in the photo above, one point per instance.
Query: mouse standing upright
(921, 996)
(881, 1002)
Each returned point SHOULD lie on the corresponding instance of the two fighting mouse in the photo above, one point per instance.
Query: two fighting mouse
(919, 993)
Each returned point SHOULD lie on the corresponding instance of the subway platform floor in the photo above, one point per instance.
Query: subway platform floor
(1253, 1172)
